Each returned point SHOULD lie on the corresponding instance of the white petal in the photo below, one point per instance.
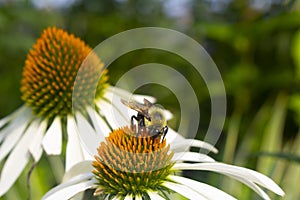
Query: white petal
(179, 143)
(35, 147)
(241, 172)
(86, 154)
(185, 144)
(75, 180)
(70, 191)
(13, 133)
(192, 157)
(140, 98)
(168, 114)
(127, 95)
(155, 196)
(52, 141)
(73, 152)
(206, 190)
(107, 112)
(173, 137)
(17, 112)
(128, 197)
(4, 120)
(99, 124)
(120, 112)
(88, 137)
(17, 160)
(2, 136)
(184, 191)
(138, 197)
(78, 196)
(252, 185)
(83, 167)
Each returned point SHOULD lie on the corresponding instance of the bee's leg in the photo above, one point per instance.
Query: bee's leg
(139, 118)
(132, 121)
(141, 122)
(164, 133)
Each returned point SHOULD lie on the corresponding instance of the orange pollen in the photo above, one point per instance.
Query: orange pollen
(131, 163)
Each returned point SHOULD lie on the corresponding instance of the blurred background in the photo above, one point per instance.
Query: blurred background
(254, 43)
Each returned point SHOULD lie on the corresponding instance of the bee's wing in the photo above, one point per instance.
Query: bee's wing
(141, 108)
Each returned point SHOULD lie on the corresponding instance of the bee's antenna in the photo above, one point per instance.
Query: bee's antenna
(147, 103)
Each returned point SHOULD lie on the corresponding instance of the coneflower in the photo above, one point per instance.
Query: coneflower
(49, 77)
(135, 166)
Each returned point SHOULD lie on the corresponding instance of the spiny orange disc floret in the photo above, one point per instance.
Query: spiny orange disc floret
(51, 69)
(131, 163)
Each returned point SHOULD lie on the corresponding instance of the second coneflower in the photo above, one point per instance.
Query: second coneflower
(49, 77)
(136, 166)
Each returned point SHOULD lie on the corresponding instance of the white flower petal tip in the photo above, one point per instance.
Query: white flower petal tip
(52, 142)
(168, 115)
(35, 147)
(242, 174)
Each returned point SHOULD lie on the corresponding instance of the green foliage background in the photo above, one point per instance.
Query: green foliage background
(257, 52)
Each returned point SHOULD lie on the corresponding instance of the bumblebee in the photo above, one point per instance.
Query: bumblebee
(149, 116)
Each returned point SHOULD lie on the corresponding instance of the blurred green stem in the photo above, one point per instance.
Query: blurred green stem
(57, 167)
(232, 136)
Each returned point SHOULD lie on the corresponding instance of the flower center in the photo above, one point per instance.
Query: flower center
(128, 164)
(51, 69)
